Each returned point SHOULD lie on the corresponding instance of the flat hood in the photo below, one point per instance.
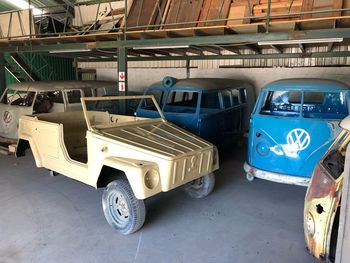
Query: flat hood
(161, 137)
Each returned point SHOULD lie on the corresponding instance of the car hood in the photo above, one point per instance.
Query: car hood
(160, 137)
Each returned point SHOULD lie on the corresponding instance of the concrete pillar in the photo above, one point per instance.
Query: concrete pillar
(2, 73)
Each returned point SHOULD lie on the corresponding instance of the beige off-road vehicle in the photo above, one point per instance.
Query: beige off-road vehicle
(133, 158)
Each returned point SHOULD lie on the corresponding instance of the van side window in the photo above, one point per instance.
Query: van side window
(330, 105)
(73, 96)
(235, 97)
(42, 103)
(55, 96)
(282, 103)
(210, 100)
(243, 95)
(182, 102)
(226, 98)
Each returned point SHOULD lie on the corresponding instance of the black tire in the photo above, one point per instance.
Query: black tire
(201, 187)
(123, 211)
(53, 173)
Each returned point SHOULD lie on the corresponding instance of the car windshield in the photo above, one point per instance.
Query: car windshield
(106, 112)
(18, 98)
(311, 104)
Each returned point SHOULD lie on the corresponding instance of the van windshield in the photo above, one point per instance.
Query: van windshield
(320, 105)
(282, 103)
(18, 98)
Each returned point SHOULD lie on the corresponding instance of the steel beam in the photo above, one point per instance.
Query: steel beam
(2, 73)
(278, 49)
(123, 69)
(250, 56)
(203, 40)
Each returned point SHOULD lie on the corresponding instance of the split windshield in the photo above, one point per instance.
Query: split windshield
(18, 98)
(310, 104)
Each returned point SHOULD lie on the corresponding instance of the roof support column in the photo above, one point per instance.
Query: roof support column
(122, 76)
(2, 73)
(123, 70)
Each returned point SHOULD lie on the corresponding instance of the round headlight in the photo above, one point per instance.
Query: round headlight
(151, 178)
(263, 148)
(310, 224)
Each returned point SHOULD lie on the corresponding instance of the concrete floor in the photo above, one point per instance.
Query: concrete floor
(55, 219)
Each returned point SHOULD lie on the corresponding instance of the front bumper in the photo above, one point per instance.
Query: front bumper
(276, 177)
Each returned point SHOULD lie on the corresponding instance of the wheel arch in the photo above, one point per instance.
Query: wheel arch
(109, 174)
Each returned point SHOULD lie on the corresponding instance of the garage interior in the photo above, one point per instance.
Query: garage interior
(55, 219)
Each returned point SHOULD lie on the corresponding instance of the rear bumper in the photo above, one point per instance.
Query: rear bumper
(276, 177)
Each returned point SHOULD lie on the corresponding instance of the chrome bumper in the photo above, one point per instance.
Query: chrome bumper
(276, 177)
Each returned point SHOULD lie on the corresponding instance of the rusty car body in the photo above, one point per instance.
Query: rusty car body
(323, 199)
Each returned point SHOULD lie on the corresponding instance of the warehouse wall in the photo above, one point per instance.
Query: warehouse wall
(140, 78)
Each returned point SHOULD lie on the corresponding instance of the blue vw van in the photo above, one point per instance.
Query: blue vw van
(292, 125)
(215, 109)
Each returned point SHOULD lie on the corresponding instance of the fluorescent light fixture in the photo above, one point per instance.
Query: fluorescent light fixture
(160, 47)
(68, 51)
(301, 41)
(22, 4)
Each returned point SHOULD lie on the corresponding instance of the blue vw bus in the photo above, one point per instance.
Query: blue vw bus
(292, 125)
(215, 109)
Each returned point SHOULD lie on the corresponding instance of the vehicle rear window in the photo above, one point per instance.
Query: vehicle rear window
(325, 105)
(282, 103)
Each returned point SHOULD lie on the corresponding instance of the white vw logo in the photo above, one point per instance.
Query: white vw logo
(299, 139)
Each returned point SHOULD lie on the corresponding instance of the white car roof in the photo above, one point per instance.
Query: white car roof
(61, 85)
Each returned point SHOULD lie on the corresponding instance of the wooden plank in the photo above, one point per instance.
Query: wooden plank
(141, 12)
(214, 9)
(337, 4)
(183, 11)
(307, 7)
(238, 12)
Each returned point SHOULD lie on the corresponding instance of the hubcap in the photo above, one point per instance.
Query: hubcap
(118, 208)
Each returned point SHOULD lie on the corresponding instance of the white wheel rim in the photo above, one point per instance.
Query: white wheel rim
(118, 208)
